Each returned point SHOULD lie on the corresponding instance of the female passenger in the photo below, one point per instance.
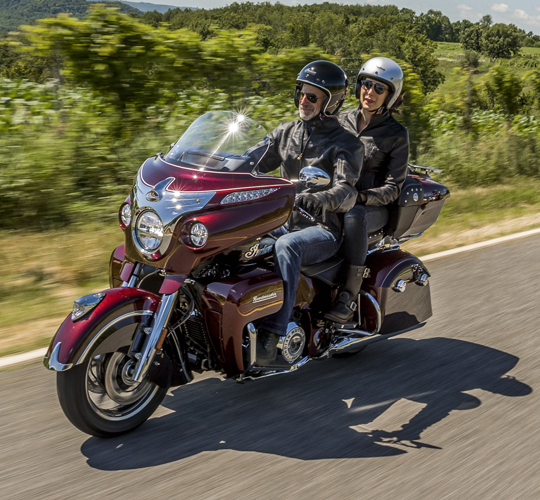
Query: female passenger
(386, 143)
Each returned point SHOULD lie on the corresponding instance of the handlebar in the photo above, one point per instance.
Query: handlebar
(303, 213)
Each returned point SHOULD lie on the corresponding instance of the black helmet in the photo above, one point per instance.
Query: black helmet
(328, 77)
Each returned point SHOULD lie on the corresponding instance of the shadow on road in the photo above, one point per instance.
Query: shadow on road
(374, 404)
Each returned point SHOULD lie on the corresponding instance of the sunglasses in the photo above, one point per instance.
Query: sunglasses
(312, 98)
(379, 87)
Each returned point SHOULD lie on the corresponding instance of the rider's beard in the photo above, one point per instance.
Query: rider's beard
(307, 112)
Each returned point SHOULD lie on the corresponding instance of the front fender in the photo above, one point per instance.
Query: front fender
(107, 328)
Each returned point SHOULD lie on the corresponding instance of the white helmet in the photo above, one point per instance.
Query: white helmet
(386, 71)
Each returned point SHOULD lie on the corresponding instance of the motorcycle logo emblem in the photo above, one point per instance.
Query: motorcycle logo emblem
(261, 298)
(153, 196)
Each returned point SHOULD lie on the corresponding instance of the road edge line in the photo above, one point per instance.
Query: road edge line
(20, 358)
(482, 244)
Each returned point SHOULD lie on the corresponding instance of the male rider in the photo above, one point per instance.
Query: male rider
(317, 140)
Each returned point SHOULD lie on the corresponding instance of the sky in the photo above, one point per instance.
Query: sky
(525, 14)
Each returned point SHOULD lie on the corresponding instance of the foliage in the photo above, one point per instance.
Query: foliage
(134, 65)
(470, 59)
(471, 38)
(496, 41)
(501, 40)
(435, 26)
(60, 160)
(15, 13)
(497, 157)
(503, 91)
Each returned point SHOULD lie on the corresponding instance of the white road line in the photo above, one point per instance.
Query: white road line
(20, 358)
(483, 244)
(39, 353)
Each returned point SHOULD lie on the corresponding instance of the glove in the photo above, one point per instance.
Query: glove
(310, 203)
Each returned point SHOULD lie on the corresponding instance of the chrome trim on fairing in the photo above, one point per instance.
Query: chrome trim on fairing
(160, 320)
(258, 372)
(252, 344)
(108, 325)
(170, 206)
(52, 362)
(349, 343)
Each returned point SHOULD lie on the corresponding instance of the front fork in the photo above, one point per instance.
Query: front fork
(156, 332)
(155, 338)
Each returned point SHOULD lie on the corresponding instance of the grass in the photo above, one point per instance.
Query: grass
(44, 272)
(533, 51)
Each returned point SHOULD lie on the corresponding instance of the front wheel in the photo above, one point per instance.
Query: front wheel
(100, 398)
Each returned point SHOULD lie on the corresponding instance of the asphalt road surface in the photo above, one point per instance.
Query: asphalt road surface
(448, 411)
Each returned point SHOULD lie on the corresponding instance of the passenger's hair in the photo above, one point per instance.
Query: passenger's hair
(394, 109)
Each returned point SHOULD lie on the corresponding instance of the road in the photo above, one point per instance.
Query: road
(448, 411)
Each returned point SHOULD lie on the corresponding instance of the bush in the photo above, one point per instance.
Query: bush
(493, 159)
(470, 59)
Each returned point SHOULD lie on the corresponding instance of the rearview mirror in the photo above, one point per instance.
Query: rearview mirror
(313, 177)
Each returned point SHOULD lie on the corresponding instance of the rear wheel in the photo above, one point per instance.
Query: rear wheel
(100, 397)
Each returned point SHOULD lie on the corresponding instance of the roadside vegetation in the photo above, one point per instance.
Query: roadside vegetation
(85, 99)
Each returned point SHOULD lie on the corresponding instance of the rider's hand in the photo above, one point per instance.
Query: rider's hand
(310, 203)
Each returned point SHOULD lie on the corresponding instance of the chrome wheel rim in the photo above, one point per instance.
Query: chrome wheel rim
(110, 389)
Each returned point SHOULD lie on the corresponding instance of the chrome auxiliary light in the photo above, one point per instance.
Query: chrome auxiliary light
(198, 235)
(84, 305)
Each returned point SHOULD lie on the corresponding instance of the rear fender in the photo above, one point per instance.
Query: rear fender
(109, 327)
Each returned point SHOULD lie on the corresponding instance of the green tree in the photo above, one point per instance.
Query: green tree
(435, 26)
(486, 20)
(501, 41)
(471, 38)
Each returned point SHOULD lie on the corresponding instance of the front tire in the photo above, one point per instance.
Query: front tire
(99, 398)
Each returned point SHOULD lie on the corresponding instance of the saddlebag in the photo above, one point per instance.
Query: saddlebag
(417, 208)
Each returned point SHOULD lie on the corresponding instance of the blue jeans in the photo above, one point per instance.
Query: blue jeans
(292, 250)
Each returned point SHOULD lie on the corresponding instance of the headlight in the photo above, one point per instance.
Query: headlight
(198, 235)
(149, 231)
(125, 215)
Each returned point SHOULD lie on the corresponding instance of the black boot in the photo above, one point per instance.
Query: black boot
(266, 347)
(343, 310)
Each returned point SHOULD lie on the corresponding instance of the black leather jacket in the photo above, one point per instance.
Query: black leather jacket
(321, 143)
(386, 144)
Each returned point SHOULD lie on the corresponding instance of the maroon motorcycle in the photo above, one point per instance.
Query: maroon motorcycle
(195, 277)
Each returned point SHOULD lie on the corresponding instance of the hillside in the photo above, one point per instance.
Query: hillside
(149, 7)
(14, 13)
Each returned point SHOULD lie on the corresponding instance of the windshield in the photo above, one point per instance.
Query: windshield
(217, 141)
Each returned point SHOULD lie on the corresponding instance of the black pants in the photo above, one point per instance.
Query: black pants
(360, 221)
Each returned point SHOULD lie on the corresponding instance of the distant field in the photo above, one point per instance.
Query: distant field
(534, 51)
(445, 47)
(454, 49)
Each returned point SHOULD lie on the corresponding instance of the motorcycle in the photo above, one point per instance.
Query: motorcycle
(195, 277)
